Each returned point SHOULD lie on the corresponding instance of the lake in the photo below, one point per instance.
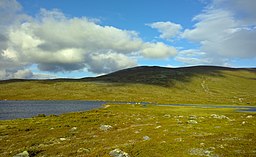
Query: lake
(27, 109)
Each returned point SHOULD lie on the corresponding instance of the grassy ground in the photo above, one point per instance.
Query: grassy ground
(219, 87)
(201, 89)
(136, 129)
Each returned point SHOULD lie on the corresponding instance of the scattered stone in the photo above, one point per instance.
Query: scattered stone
(201, 117)
(118, 153)
(105, 127)
(192, 117)
(178, 116)
(219, 116)
(243, 122)
(146, 138)
(158, 127)
(249, 116)
(211, 148)
(196, 151)
(73, 129)
(202, 144)
(83, 150)
(166, 116)
(23, 154)
(202, 152)
(137, 132)
(192, 122)
(63, 139)
(179, 139)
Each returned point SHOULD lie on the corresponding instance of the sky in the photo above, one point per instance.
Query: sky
(41, 39)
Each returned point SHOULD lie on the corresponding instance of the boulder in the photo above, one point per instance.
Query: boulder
(23, 154)
(146, 138)
(192, 122)
(105, 127)
(118, 153)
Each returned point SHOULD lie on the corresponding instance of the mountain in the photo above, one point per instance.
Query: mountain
(194, 85)
(164, 76)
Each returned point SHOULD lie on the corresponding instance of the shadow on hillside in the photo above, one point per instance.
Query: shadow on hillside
(150, 75)
(161, 76)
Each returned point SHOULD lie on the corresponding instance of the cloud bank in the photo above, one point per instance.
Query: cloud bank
(56, 43)
(225, 30)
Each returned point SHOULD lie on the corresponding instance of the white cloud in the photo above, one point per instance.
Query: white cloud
(244, 10)
(197, 57)
(105, 62)
(158, 50)
(223, 32)
(56, 43)
(23, 74)
(168, 29)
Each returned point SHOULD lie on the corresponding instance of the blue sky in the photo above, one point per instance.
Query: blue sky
(64, 38)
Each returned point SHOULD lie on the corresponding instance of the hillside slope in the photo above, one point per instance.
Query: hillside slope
(196, 85)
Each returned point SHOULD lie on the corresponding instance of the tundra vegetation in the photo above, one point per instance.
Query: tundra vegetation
(192, 85)
(138, 130)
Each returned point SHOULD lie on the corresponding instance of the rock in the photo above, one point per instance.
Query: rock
(118, 153)
(63, 139)
(146, 138)
(73, 129)
(179, 139)
(136, 132)
(219, 116)
(166, 116)
(105, 127)
(23, 154)
(202, 144)
(249, 116)
(202, 152)
(192, 122)
(158, 127)
(192, 117)
(196, 151)
(83, 150)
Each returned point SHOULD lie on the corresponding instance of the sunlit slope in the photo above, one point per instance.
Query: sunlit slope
(196, 85)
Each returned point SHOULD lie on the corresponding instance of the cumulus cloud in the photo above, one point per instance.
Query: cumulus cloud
(57, 43)
(168, 29)
(226, 29)
(110, 61)
(198, 57)
(158, 50)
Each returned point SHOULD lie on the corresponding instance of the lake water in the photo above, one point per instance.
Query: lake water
(27, 109)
